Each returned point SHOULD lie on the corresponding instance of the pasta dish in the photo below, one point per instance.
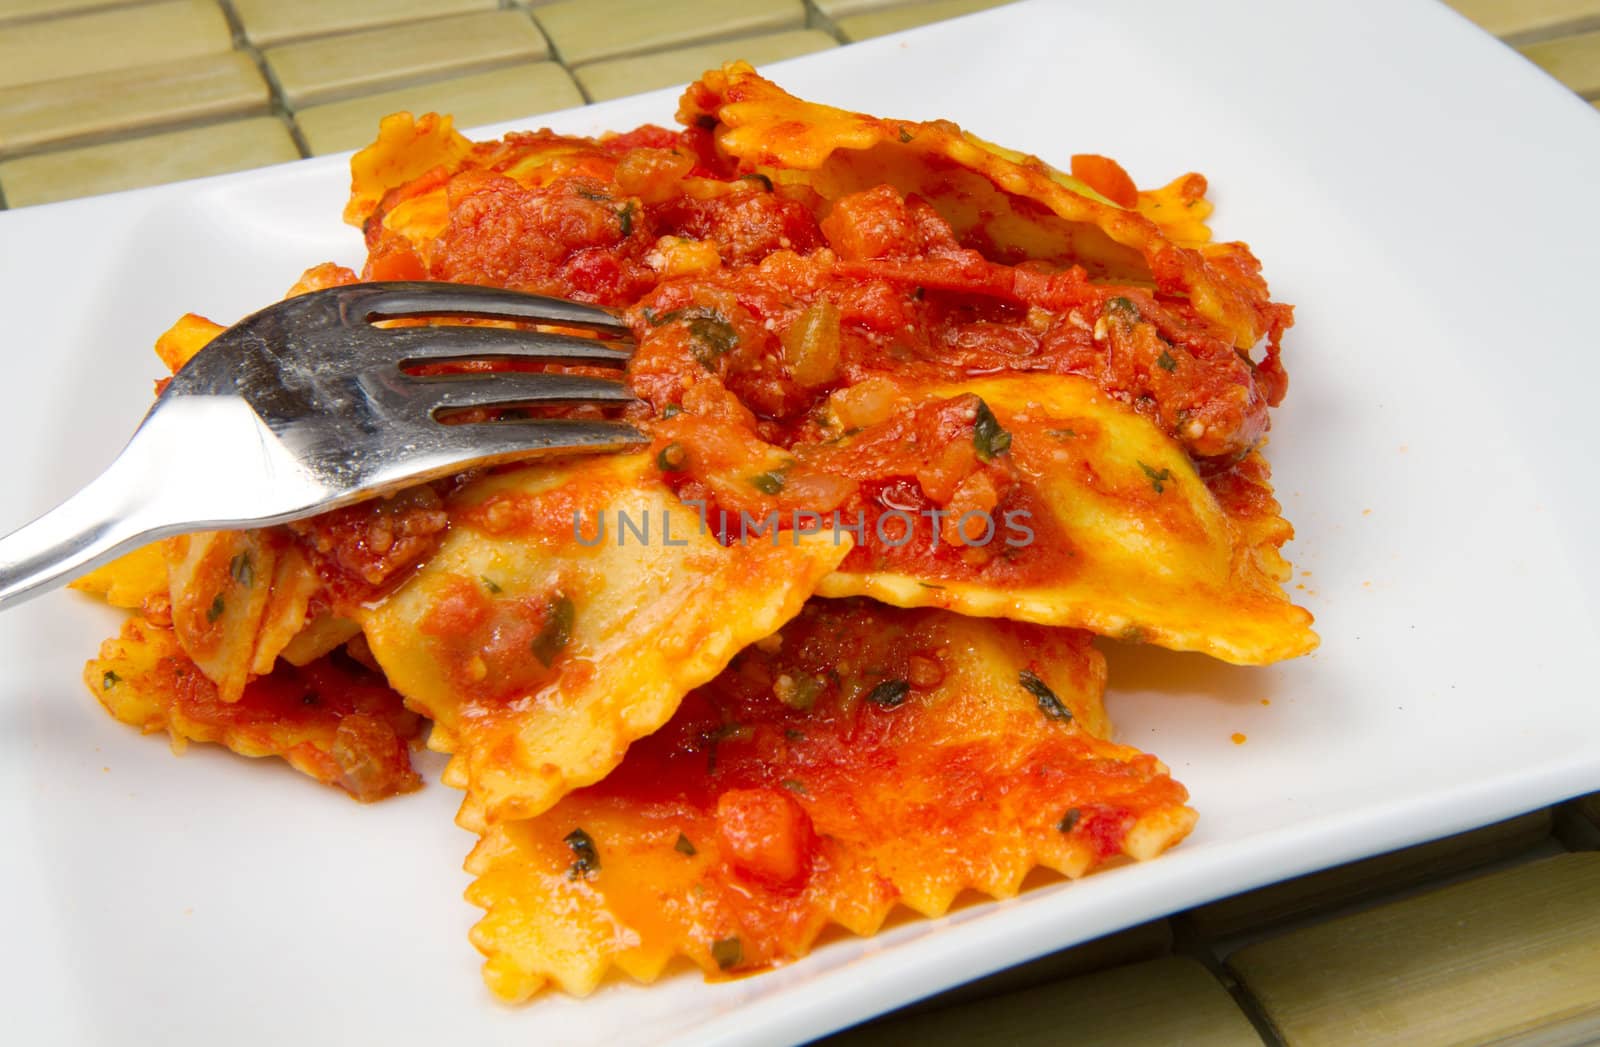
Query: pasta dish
(926, 416)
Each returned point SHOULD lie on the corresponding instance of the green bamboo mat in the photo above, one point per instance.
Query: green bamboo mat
(1489, 936)
(101, 95)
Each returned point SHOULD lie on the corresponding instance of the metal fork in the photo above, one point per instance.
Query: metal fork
(307, 406)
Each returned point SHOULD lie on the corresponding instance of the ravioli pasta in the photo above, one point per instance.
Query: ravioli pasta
(925, 417)
(800, 789)
(543, 657)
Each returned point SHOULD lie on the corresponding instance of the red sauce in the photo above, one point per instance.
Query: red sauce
(824, 773)
(718, 348)
(334, 719)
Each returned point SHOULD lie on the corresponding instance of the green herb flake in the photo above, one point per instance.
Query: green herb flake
(1122, 308)
(586, 860)
(766, 183)
(490, 584)
(1048, 703)
(713, 336)
(685, 846)
(795, 786)
(889, 693)
(1062, 434)
(727, 952)
(218, 605)
(930, 585)
(1069, 821)
(671, 411)
(243, 569)
(987, 436)
(733, 732)
(592, 194)
(557, 631)
(905, 136)
(1158, 478)
(625, 219)
(769, 482)
(793, 735)
(1166, 362)
(672, 458)
(799, 692)
(1132, 633)
(109, 680)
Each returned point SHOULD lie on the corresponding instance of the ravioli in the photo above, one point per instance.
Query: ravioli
(332, 720)
(566, 615)
(1104, 525)
(924, 414)
(1017, 204)
(865, 758)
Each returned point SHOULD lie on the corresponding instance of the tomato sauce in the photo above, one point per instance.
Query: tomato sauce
(763, 314)
(835, 768)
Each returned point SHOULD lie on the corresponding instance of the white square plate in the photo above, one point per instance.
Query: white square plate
(1426, 199)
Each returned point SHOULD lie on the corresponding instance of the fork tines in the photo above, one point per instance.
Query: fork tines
(416, 298)
(438, 395)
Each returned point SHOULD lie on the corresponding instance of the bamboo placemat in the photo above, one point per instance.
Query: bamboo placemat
(1489, 936)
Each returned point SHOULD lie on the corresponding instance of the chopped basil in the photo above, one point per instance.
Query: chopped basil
(1123, 308)
(727, 952)
(1048, 703)
(672, 458)
(766, 183)
(109, 680)
(625, 218)
(586, 860)
(930, 585)
(795, 785)
(490, 584)
(738, 732)
(793, 735)
(592, 194)
(1062, 434)
(671, 410)
(889, 693)
(557, 631)
(685, 846)
(1069, 820)
(1166, 362)
(713, 336)
(243, 569)
(1158, 478)
(769, 482)
(905, 136)
(987, 436)
(798, 692)
(218, 605)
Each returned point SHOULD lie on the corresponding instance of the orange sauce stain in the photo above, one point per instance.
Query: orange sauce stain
(1238, 739)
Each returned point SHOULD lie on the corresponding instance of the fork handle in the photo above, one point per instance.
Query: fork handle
(165, 482)
(100, 522)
